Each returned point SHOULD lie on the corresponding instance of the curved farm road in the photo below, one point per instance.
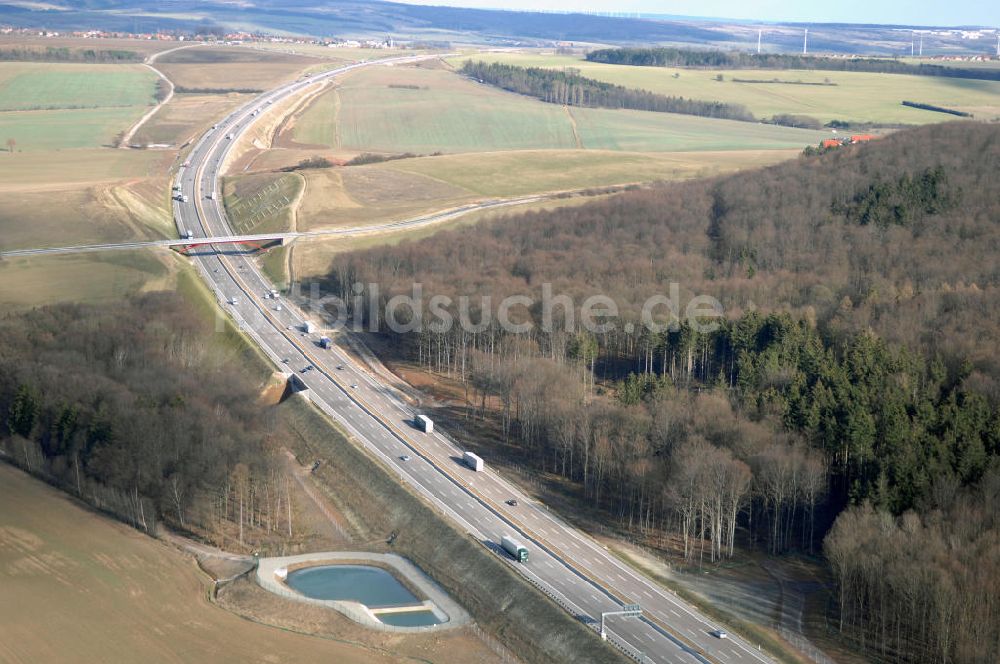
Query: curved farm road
(127, 138)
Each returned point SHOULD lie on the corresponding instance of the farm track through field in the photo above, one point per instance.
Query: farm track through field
(124, 144)
(572, 123)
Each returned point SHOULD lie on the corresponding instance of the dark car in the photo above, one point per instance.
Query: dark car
(512, 502)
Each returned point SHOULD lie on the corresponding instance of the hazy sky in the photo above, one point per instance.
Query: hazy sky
(910, 12)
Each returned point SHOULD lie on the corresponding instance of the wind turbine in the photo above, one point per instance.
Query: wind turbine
(805, 42)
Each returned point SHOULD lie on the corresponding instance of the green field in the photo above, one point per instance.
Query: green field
(451, 114)
(502, 174)
(856, 97)
(29, 86)
(446, 113)
(55, 130)
(57, 106)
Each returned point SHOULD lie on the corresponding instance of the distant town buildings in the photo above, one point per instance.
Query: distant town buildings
(228, 38)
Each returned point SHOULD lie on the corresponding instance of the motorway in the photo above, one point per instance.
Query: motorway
(564, 562)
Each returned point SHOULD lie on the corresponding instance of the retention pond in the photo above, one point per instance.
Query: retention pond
(371, 586)
(379, 590)
(388, 599)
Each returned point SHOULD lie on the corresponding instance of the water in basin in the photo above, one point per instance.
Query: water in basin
(409, 618)
(371, 586)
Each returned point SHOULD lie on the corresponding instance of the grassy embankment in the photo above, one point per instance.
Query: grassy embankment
(376, 506)
(262, 203)
(856, 97)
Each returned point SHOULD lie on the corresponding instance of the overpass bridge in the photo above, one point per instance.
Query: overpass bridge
(264, 241)
(259, 241)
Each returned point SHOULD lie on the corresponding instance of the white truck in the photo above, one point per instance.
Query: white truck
(473, 461)
(308, 327)
(424, 423)
(517, 550)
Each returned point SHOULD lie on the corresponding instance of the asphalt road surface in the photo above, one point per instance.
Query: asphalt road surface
(564, 562)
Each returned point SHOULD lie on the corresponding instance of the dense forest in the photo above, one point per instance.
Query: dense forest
(131, 410)
(63, 54)
(681, 57)
(854, 372)
(562, 87)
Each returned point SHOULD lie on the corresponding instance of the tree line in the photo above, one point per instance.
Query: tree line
(63, 54)
(180, 89)
(937, 109)
(855, 366)
(681, 57)
(571, 89)
(129, 408)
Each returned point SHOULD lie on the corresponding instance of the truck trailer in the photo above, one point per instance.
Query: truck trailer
(517, 550)
(473, 461)
(424, 423)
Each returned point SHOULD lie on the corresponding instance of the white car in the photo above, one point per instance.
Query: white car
(720, 634)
